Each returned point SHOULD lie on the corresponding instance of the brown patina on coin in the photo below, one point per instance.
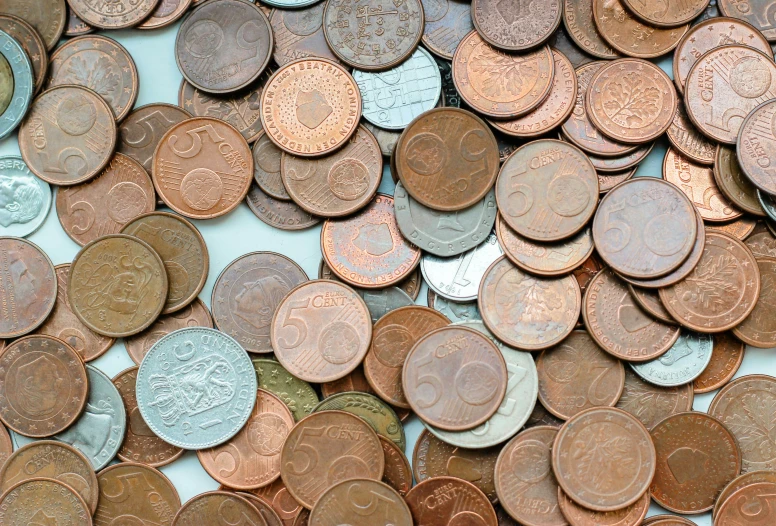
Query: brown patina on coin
(742, 481)
(581, 28)
(141, 131)
(310, 107)
(345, 448)
(6, 446)
(741, 228)
(649, 301)
(447, 22)
(342, 504)
(117, 285)
(761, 242)
(577, 515)
(541, 417)
(733, 183)
(651, 403)
(397, 473)
(517, 25)
(720, 292)
(284, 215)
(759, 328)
(266, 168)
(68, 135)
(608, 181)
(48, 18)
(75, 26)
(202, 168)
(104, 204)
(299, 34)
(394, 335)
(166, 13)
(498, 84)
(686, 138)
(756, 140)
(43, 384)
(34, 500)
(736, 509)
(576, 375)
(611, 166)
(148, 496)
(276, 495)
(214, 507)
(629, 36)
(140, 443)
(755, 12)
(31, 42)
(445, 500)
(620, 448)
(410, 285)
(667, 14)
(116, 14)
(726, 357)
(356, 381)
(696, 458)
(367, 250)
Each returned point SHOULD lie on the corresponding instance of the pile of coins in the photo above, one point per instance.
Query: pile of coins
(573, 311)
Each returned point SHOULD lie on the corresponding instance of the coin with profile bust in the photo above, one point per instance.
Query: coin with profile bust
(33, 500)
(25, 200)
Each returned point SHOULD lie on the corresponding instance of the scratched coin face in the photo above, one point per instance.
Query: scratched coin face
(217, 507)
(113, 15)
(446, 500)
(447, 22)
(202, 361)
(342, 504)
(141, 131)
(147, 495)
(39, 499)
(754, 12)
(652, 403)
(517, 25)
(299, 34)
(48, 18)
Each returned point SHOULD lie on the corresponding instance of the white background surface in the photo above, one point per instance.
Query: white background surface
(241, 232)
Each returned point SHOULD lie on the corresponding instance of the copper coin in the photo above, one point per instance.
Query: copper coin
(113, 15)
(686, 138)
(448, 500)
(580, 516)
(397, 473)
(666, 15)
(667, 520)
(62, 323)
(367, 250)
(217, 506)
(740, 228)
(736, 509)
(202, 168)
(447, 22)
(342, 504)
(724, 86)
(755, 141)
(321, 331)
(498, 84)
(733, 183)
(393, 34)
(223, 46)
(310, 107)
(651, 403)
(31, 42)
(75, 122)
(141, 131)
(339, 184)
(447, 159)
(696, 457)
(41, 499)
(247, 293)
(608, 181)
(629, 36)
(410, 285)
(140, 443)
(394, 335)
(726, 357)
(762, 242)
(105, 204)
(649, 301)
(138, 493)
(454, 378)
(528, 312)
(754, 12)
(6, 446)
(620, 448)
(434, 458)
(47, 17)
(325, 449)
(547, 190)
(29, 289)
(354, 381)
(75, 27)
(576, 375)
(117, 285)
(578, 20)
(266, 168)
(720, 292)
(278, 497)
(299, 34)
(541, 417)
(166, 13)
(516, 25)
(741, 481)
(44, 384)
(302, 519)
(52, 460)
(614, 165)
(758, 329)
(285, 215)
(554, 110)
(100, 64)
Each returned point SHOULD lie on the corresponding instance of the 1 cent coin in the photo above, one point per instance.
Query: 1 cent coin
(516, 25)
(758, 329)
(446, 500)
(113, 15)
(48, 18)
(146, 496)
(726, 357)
(629, 36)
(342, 504)
(577, 515)
(217, 506)
(686, 138)
(734, 184)
(651, 403)
(579, 22)
(143, 129)
(31, 501)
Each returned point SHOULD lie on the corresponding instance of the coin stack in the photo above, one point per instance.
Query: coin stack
(484, 150)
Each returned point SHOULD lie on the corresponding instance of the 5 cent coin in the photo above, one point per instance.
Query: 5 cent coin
(341, 504)
(153, 498)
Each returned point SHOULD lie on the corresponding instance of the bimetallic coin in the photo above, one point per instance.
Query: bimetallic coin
(216, 506)
(25, 199)
(447, 22)
(284, 215)
(726, 357)
(371, 410)
(651, 403)
(440, 500)
(453, 310)
(38, 499)
(341, 504)
(517, 25)
(142, 130)
(579, 22)
(146, 496)
(683, 363)
(16, 84)
(297, 394)
(48, 18)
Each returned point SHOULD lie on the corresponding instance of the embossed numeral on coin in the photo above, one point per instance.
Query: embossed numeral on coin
(229, 515)
(62, 166)
(616, 242)
(81, 210)
(298, 323)
(308, 452)
(196, 141)
(428, 379)
(152, 125)
(129, 484)
(364, 507)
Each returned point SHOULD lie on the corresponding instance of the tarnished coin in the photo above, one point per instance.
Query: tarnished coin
(387, 140)
(577, 515)
(224, 46)
(587, 271)
(353, 382)
(755, 140)
(285, 215)
(48, 18)
(541, 417)
(577, 375)
(140, 443)
(341, 504)
(25, 200)
(612, 166)
(310, 107)
(453, 310)
(28, 38)
(117, 14)
(442, 500)
(447, 22)
(6, 446)
(217, 506)
(266, 168)
(733, 183)
(579, 22)
(276, 495)
(608, 181)
(498, 84)
(726, 357)
(651, 403)
(687, 140)
(754, 12)
(143, 129)
(100, 64)
(649, 301)
(758, 329)
(696, 458)
(683, 363)
(297, 394)
(216, 363)
(518, 25)
(299, 34)
(166, 13)
(146, 495)
(666, 15)
(735, 509)
(741, 228)
(410, 286)
(528, 312)
(371, 410)
(74, 26)
(742, 481)
(38, 499)
(397, 473)
(762, 242)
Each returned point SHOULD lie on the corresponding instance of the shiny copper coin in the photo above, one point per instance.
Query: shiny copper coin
(48, 18)
(284, 215)
(28, 37)
(622, 474)
(202, 168)
(720, 292)
(277, 496)
(344, 446)
(310, 107)
(733, 183)
(578, 20)
(651, 403)
(342, 504)
(576, 375)
(753, 12)
(6, 446)
(666, 15)
(759, 329)
(649, 301)
(463, 382)
(447, 22)
(688, 140)
(736, 509)
(339, 184)
(447, 159)
(75, 27)
(515, 26)
(528, 312)
(68, 135)
(755, 141)
(608, 181)
(397, 473)
(367, 250)
(446, 500)
(146, 495)
(299, 34)
(321, 331)
(696, 457)
(498, 84)
(40, 499)
(741, 228)
(167, 12)
(726, 357)
(217, 506)
(741, 481)
(100, 64)
(266, 168)
(113, 15)
(105, 204)
(141, 131)
(44, 385)
(29, 289)
(577, 515)
(614, 165)
(394, 335)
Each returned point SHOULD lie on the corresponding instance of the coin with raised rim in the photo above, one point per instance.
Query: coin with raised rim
(750, 12)
(726, 357)
(758, 329)
(683, 363)
(117, 14)
(297, 394)
(48, 18)
(439, 500)
(447, 22)
(577, 515)
(629, 36)
(652, 403)
(517, 25)
(734, 184)
(299, 34)
(580, 25)
(368, 407)
(153, 499)
(27, 199)
(341, 504)
(666, 15)
(25, 503)
(283, 215)
(166, 13)
(141, 131)
(740, 482)
(649, 301)
(266, 168)
(397, 473)
(213, 506)
(735, 509)
(29, 39)
(688, 140)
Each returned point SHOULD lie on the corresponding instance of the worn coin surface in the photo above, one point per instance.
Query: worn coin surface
(726, 357)
(577, 515)
(353, 382)
(217, 506)
(379, 415)
(447, 22)
(47, 18)
(516, 26)
(742, 481)
(649, 301)
(32, 501)
(143, 129)
(297, 394)
(166, 13)
(666, 15)
(740, 228)
(146, 495)
(299, 34)
(755, 141)
(116, 14)
(266, 168)
(612, 166)
(6, 446)
(410, 286)
(25, 200)
(397, 473)
(442, 500)
(734, 184)
(277, 496)
(285, 215)
(453, 310)
(688, 140)
(758, 329)
(630, 36)
(579, 22)
(753, 12)
(342, 504)
(75, 27)
(683, 363)
(651, 403)
(382, 301)
(735, 510)
(28, 38)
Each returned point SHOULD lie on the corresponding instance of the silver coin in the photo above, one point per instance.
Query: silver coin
(444, 234)
(683, 363)
(455, 311)
(768, 202)
(25, 200)
(392, 99)
(518, 403)
(449, 92)
(23, 84)
(458, 278)
(196, 388)
(289, 3)
(382, 301)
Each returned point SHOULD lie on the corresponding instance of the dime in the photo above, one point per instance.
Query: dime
(113, 15)
(651, 403)
(166, 13)
(297, 394)
(285, 215)
(146, 496)
(751, 12)
(740, 228)
(696, 458)
(758, 329)
(682, 364)
(341, 504)
(77, 123)
(37, 499)
(299, 34)
(687, 140)
(516, 25)
(208, 359)
(454, 311)
(207, 508)
(447, 22)
(553, 306)
(733, 183)
(75, 27)
(734, 509)
(25, 199)
(649, 301)
(667, 15)
(579, 22)
(143, 129)
(440, 500)
(742, 481)
(47, 17)
(140, 443)
(28, 38)
(397, 473)
(577, 515)
(266, 168)
(498, 84)
(726, 358)
(223, 46)
(371, 410)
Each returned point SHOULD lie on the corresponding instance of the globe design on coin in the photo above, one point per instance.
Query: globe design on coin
(749, 78)
(339, 343)
(266, 434)
(568, 196)
(531, 461)
(204, 38)
(201, 189)
(349, 179)
(303, 22)
(426, 153)
(476, 383)
(76, 115)
(125, 202)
